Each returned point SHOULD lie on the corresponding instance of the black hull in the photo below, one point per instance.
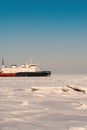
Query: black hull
(33, 74)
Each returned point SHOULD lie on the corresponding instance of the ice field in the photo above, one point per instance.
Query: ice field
(58, 102)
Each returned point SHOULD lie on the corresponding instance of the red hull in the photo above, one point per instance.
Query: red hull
(7, 74)
(26, 74)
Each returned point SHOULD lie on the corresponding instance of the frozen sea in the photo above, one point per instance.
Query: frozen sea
(43, 103)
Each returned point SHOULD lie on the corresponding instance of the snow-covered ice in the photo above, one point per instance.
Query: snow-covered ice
(58, 102)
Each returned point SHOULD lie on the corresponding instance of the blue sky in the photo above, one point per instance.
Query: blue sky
(52, 33)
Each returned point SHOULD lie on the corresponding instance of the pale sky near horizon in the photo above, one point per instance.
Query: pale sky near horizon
(52, 33)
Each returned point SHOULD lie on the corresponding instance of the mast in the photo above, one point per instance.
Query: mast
(2, 62)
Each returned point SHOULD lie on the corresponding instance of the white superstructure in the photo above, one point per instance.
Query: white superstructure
(22, 68)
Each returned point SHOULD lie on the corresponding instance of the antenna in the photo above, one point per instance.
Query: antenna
(30, 61)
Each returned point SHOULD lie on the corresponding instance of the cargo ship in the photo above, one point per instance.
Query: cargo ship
(26, 70)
